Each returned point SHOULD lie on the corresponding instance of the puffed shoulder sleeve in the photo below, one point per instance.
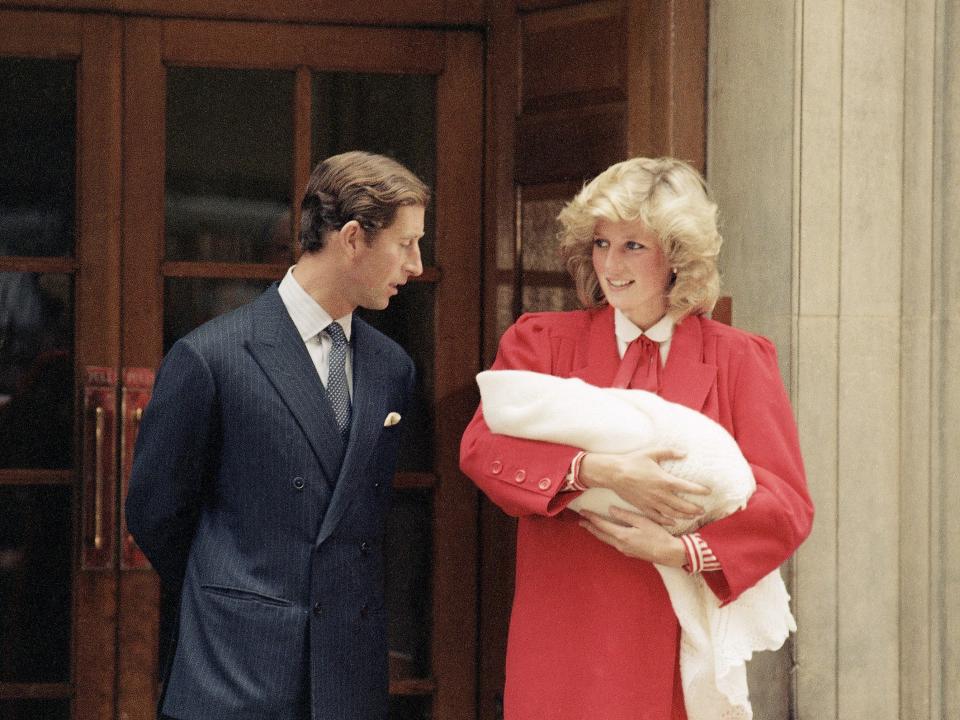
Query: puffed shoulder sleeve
(522, 477)
(755, 541)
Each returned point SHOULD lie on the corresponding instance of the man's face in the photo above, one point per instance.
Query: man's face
(393, 258)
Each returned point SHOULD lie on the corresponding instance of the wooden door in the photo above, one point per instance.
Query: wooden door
(151, 171)
(59, 347)
(574, 88)
(223, 124)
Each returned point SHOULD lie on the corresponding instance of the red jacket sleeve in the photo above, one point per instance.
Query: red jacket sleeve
(522, 477)
(753, 542)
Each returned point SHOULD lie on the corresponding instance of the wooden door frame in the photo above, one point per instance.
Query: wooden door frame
(462, 14)
(94, 42)
(661, 64)
(455, 58)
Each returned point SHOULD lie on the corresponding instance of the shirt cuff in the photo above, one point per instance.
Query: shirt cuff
(700, 557)
(572, 478)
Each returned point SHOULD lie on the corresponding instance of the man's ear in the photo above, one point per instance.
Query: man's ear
(350, 236)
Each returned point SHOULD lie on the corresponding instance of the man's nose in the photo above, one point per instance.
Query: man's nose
(414, 265)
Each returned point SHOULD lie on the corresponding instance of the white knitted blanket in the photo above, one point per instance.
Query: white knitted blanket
(715, 641)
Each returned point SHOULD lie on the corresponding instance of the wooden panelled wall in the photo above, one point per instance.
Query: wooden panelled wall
(572, 88)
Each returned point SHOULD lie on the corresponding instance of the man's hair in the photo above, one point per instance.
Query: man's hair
(357, 186)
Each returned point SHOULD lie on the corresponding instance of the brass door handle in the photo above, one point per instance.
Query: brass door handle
(99, 475)
(98, 480)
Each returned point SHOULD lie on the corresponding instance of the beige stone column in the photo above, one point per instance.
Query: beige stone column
(945, 381)
(834, 152)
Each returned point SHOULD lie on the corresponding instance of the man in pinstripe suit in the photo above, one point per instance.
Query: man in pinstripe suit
(263, 468)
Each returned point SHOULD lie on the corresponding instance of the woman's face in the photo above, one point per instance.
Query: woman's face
(633, 271)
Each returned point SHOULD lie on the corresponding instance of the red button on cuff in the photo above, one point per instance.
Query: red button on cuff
(496, 466)
(520, 476)
(544, 483)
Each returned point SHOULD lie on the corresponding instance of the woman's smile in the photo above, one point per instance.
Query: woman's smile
(633, 270)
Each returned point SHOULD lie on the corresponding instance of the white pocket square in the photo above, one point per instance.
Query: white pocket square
(392, 419)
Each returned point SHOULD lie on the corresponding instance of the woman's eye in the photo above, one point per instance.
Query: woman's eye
(633, 245)
(600, 243)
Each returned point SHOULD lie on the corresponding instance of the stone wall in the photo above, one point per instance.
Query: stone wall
(834, 152)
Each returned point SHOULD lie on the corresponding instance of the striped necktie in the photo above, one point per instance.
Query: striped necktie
(337, 378)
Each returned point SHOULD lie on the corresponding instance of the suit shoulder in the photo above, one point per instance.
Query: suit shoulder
(387, 345)
(736, 340)
(233, 324)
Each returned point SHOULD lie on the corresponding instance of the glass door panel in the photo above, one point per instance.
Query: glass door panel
(58, 310)
(37, 179)
(35, 576)
(37, 222)
(409, 548)
(393, 115)
(188, 302)
(36, 370)
(34, 709)
(229, 163)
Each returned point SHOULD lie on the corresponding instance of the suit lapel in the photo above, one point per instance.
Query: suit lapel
(370, 393)
(686, 379)
(279, 350)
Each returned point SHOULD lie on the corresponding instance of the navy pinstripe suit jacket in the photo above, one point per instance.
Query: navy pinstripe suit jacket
(241, 488)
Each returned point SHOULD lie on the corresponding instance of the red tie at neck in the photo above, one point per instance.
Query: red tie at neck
(640, 367)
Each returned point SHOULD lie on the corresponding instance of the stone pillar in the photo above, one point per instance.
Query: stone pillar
(834, 153)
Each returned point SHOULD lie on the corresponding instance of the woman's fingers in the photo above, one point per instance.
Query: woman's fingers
(692, 488)
(626, 517)
(600, 528)
(638, 537)
(687, 509)
(659, 455)
(662, 519)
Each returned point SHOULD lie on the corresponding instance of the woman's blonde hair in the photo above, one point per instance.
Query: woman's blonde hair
(673, 201)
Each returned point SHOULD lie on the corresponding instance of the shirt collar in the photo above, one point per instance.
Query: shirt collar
(307, 314)
(627, 332)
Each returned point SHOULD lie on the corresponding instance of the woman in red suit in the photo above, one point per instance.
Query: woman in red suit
(592, 633)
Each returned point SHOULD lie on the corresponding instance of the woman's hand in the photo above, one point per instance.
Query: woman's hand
(638, 478)
(636, 536)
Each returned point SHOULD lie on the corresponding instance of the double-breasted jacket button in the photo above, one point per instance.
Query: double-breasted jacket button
(318, 609)
(298, 483)
(520, 475)
(496, 467)
(544, 483)
(364, 547)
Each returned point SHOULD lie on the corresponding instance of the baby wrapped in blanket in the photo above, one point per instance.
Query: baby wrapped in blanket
(715, 641)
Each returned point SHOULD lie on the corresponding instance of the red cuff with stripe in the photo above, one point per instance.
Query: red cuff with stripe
(700, 557)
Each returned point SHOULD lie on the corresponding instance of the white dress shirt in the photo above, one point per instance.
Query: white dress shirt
(660, 332)
(311, 319)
